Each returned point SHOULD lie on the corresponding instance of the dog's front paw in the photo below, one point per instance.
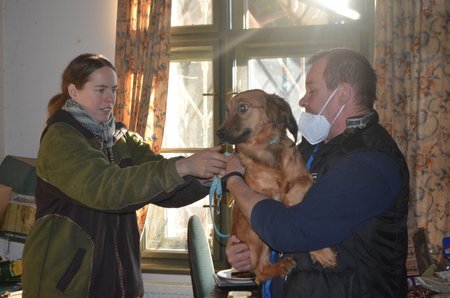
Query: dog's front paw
(289, 264)
(281, 268)
(326, 257)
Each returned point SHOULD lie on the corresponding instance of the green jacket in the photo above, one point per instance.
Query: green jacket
(85, 240)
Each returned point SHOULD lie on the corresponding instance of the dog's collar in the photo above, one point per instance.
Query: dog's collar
(274, 141)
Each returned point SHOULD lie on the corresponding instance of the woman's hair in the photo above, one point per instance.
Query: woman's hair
(348, 66)
(77, 73)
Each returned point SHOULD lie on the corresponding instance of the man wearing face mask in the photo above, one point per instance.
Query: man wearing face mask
(358, 203)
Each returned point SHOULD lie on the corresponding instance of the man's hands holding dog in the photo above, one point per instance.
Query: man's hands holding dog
(234, 165)
(243, 195)
(238, 254)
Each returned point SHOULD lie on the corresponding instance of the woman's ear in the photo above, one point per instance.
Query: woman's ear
(72, 89)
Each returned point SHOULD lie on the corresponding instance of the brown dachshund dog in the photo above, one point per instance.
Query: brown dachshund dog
(257, 123)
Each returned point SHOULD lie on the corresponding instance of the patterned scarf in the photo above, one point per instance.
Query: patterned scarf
(103, 130)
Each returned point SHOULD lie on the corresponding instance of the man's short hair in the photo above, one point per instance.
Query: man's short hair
(349, 66)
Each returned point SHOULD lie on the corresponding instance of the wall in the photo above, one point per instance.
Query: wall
(40, 37)
(2, 117)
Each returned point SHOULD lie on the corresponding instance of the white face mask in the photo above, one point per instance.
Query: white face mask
(315, 128)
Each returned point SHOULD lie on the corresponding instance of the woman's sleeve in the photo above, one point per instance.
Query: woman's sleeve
(190, 191)
(70, 162)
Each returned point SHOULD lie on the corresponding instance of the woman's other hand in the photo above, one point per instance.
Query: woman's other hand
(204, 164)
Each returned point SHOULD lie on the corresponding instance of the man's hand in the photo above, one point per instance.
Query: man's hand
(238, 254)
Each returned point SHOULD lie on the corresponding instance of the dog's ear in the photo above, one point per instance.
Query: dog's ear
(280, 113)
(292, 125)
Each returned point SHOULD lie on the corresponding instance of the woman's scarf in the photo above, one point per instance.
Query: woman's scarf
(103, 130)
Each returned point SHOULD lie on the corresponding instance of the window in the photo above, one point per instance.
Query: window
(191, 13)
(219, 48)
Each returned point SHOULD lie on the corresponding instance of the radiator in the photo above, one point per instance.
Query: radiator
(167, 286)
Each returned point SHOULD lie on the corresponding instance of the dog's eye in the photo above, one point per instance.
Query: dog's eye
(242, 108)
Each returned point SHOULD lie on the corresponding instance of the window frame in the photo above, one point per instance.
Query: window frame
(231, 46)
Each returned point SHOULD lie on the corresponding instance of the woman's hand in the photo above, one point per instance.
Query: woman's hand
(204, 164)
(238, 254)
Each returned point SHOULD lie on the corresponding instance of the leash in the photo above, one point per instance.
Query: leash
(216, 191)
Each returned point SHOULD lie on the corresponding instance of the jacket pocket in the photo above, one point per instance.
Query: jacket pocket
(71, 270)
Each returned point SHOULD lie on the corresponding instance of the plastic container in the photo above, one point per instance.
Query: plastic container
(10, 269)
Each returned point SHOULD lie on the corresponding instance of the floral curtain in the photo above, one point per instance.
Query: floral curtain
(142, 65)
(412, 60)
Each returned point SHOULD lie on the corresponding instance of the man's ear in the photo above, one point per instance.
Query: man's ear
(72, 89)
(347, 93)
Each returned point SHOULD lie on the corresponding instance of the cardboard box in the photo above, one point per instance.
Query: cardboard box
(5, 194)
(17, 204)
(19, 217)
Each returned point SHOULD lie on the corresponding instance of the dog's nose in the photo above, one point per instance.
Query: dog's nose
(221, 132)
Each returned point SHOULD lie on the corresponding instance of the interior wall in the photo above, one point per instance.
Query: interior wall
(40, 37)
(2, 103)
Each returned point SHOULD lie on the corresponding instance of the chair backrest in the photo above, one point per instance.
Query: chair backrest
(200, 259)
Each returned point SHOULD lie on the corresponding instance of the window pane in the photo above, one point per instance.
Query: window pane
(189, 124)
(166, 228)
(189, 106)
(283, 13)
(282, 75)
(191, 12)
